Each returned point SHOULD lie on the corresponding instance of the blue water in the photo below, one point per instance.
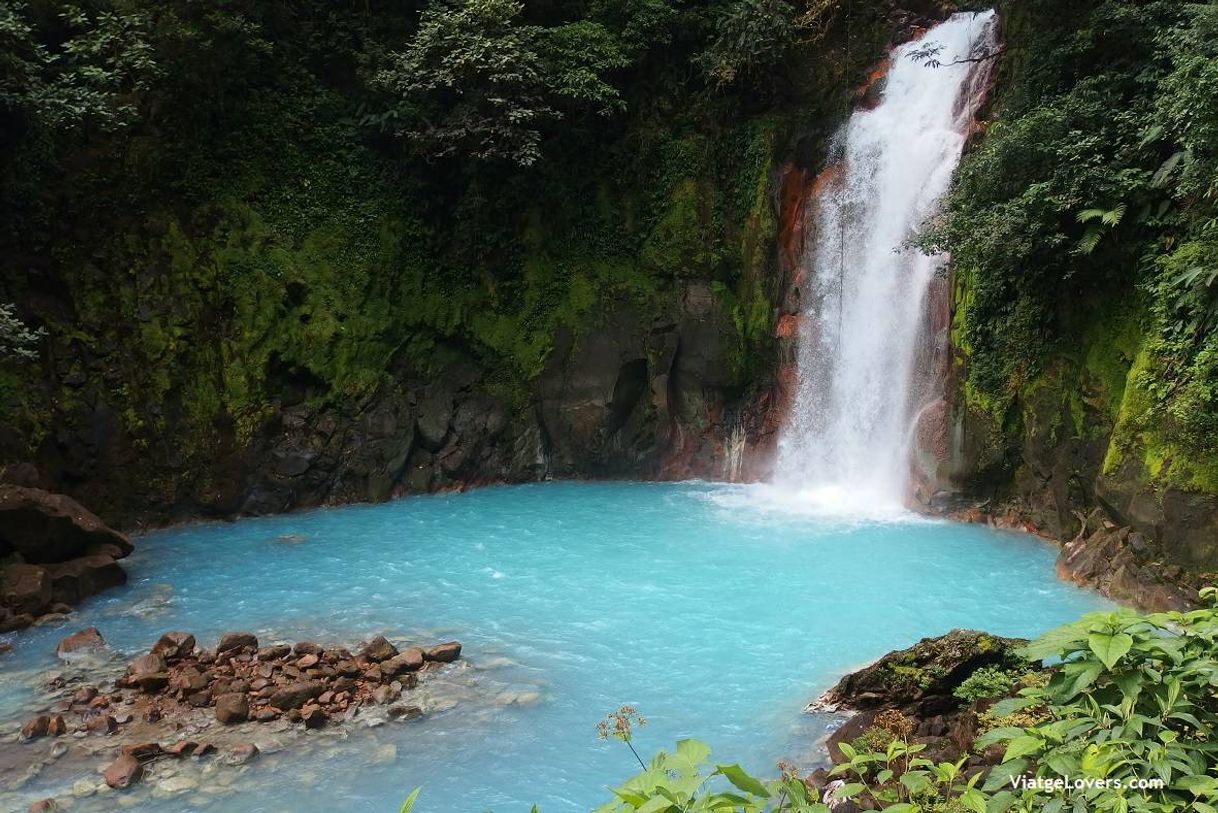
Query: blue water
(716, 619)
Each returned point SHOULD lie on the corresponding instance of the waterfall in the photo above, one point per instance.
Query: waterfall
(864, 364)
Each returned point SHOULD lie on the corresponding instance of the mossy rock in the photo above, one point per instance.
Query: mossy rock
(923, 678)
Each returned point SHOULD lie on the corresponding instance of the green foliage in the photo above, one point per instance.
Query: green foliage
(1094, 184)
(475, 81)
(1132, 700)
(17, 340)
(99, 58)
(986, 682)
(679, 782)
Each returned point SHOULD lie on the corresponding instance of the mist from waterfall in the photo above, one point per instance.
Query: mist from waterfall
(863, 361)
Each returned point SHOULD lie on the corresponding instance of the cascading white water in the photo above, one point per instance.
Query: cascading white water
(864, 291)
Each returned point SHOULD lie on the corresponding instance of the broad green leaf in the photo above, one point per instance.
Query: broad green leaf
(1109, 648)
(1022, 746)
(695, 751)
(737, 776)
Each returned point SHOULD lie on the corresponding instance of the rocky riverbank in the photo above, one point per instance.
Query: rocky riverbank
(164, 717)
(1119, 562)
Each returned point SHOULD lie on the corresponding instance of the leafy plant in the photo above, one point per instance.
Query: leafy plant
(1132, 700)
(988, 681)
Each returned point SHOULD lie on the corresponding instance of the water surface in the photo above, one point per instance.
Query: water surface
(715, 612)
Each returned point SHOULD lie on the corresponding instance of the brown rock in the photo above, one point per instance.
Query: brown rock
(295, 695)
(274, 653)
(233, 641)
(79, 642)
(77, 579)
(404, 712)
(12, 623)
(84, 694)
(102, 724)
(314, 717)
(308, 648)
(232, 708)
(445, 653)
(174, 645)
(411, 660)
(43, 806)
(383, 695)
(145, 664)
(379, 649)
(243, 753)
(373, 674)
(57, 727)
(35, 727)
(308, 661)
(266, 715)
(188, 680)
(25, 589)
(143, 751)
(46, 527)
(123, 772)
(181, 748)
(199, 700)
(151, 682)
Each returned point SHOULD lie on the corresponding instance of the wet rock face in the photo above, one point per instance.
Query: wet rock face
(644, 392)
(56, 553)
(1124, 565)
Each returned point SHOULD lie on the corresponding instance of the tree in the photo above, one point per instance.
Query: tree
(475, 81)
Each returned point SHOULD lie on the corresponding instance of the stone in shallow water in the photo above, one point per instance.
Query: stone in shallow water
(232, 641)
(173, 645)
(79, 643)
(232, 708)
(178, 784)
(123, 772)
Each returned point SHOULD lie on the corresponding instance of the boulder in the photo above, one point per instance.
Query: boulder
(295, 695)
(232, 708)
(274, 653)
(151, 682)
(922, 679)
(146, 664)
(410, 660)
(45, 527)
(314, 717)
(444, 653)
(25, 589)
(123, 772)
(57, 727)
(231, 641)
(35, 727)
(78, 643)
(103, 724)
(379, 649)
(308, 648)
(77, 579)
(174, 645)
